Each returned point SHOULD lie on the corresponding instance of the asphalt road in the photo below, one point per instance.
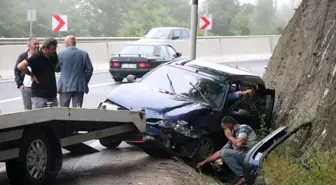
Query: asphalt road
(100, 167)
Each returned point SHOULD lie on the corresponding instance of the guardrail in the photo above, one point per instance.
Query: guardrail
(23, 40)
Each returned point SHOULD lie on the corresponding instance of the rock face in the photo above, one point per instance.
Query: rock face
(302, 70)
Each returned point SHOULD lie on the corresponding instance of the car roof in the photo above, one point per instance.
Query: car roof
(216, 70)
(170, 28)
(148, 44)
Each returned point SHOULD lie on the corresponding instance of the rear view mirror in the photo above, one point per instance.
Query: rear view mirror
(131, 78)
(175, 37)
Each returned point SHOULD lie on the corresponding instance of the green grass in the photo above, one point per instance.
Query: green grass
(281, 168)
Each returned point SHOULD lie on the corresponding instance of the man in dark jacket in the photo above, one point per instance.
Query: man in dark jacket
(76, 71)
(42, 64)
(23, 81)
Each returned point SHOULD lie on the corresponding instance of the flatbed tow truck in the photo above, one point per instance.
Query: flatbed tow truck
(31, 141)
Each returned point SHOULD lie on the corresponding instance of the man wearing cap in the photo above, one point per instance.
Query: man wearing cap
(23, 81)
(76, 71)
(42, 64)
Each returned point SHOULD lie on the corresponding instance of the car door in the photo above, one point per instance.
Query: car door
(255, 156)
(255, 110)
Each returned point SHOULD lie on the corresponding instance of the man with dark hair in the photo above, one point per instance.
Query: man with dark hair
(23, 81)
(240, 140)
(42, 64)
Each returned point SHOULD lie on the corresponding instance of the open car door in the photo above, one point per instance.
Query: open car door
(253, 159)
(254, 110)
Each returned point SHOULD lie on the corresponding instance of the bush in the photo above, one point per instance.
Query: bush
(282, 168)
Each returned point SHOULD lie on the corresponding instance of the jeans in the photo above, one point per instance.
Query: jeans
(26, 97)
(234, 159)
(39, 102)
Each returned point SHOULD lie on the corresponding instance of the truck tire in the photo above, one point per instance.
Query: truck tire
(33, 166)
(118, 79)
(108, 143)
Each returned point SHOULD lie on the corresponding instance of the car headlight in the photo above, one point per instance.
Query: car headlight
(109, 106)
(179, 126)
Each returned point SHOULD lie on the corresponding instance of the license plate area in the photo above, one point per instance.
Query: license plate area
(128, 66)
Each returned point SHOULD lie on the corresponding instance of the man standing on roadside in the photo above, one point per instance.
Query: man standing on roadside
(23, 81)
(42, 64)
(76, 71)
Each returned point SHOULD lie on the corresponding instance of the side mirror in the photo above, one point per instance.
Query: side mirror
(131, 78)
(178, 54)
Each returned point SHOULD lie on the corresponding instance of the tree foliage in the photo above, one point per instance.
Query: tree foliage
(136, 17)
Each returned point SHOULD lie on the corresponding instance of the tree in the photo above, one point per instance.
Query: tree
(145, 16)
(302, 71)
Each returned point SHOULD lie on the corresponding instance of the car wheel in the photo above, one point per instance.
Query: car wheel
(108, 143)
(118, 79)
(205, 149)
(33, 167)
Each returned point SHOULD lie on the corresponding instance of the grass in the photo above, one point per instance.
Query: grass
(282, 168)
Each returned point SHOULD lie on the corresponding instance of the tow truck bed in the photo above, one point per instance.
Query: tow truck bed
(31, 141)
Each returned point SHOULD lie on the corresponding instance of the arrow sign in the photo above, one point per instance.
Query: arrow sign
(206, 22)
(59, 23)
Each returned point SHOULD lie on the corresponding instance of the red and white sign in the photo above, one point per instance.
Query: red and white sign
(59, 23)
(206, 22)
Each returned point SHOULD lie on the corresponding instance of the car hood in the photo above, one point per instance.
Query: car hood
(157, 103)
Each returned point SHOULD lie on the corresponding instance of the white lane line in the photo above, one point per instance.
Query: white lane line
(90, 86)
(93, 145)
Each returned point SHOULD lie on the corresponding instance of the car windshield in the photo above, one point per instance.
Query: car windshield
(138, 50)
(201, 88)
(158, 33)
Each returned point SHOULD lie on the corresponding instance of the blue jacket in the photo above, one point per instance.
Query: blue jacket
(76, 70)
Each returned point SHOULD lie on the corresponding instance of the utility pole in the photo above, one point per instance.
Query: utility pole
(194, 21)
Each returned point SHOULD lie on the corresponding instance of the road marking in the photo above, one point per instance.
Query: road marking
(90, 86)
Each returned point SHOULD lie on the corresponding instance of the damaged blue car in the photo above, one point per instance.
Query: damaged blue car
(184, 102)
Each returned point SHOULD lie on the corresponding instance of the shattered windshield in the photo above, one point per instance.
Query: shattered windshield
(184, 83)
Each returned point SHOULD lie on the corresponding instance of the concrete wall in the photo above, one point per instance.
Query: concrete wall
(220, 49)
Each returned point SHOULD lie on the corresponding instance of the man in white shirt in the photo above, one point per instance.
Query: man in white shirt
(23, 81)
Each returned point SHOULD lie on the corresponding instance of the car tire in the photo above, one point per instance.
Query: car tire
(118, 79)
(108, 143)
(35, 152)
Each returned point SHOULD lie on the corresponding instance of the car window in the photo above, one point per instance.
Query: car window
(212, 90)
(165, 52)
(171, 51)
(158, 33)
(184, 34)
(138, 49)
(177, 33)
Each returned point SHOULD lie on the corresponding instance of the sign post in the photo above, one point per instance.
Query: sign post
(206, 22)
(31, 16)
(59, 24)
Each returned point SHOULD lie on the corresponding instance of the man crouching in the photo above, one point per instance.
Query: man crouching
(241, 138)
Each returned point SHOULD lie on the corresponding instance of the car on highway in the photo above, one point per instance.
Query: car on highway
(166, 33)
(139, 58)
(184, 102)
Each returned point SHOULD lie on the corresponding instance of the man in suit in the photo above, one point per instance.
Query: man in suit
(23, 81)
(76, 71)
